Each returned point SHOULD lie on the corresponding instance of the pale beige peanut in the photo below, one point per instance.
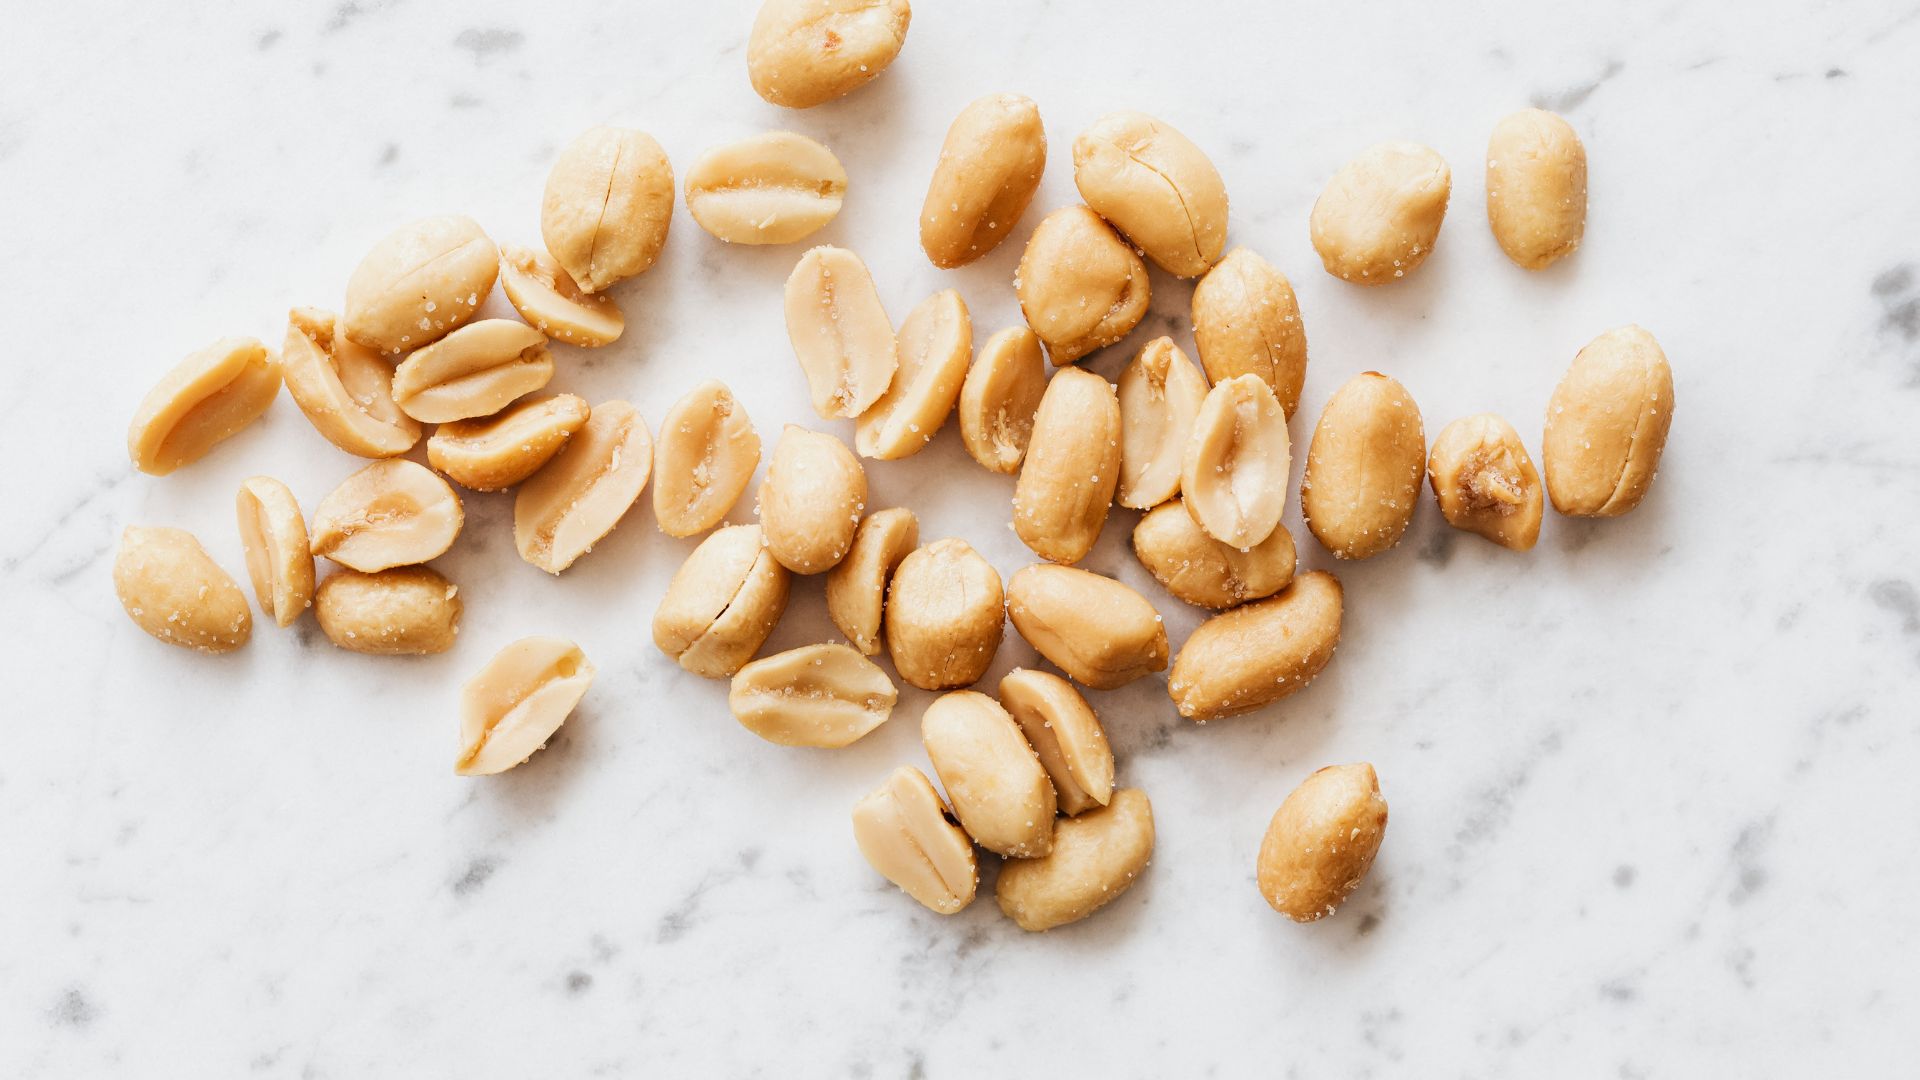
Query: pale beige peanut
(907, 834)
(803, 53)
(934, 346)
(607, 205)
(172, 589)
(517, 701)
(946, 612)
(547, 297)
(392, 513)
(404, 611)
(1155, 186)
(811, 500)
(1233, 474)
(1065, 734)
(857, 587)
(1246, 321)
(1258, 653)
(1071, 468)
(496, 452)
(206, 398)
(1160, 393)
(1536, 187)
(419, 283)
(772, 188)
(1322, 841)
(477, 370)
(577, 498)
(825, 696)
(1364, 467)
(1380, 214)
(999, 396)
(999, 789)
(704, 460)
(345, 390)
(1607, 424)
(1081, 287)
(1097, 630)
(1096, 857)
(1485, 482)
(722, 603)
(989, 168)
(840, 332)
(273, 533)
(1200, 570)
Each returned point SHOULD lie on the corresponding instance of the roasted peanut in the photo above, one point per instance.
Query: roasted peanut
(999, 396)
(1096, 857)
(934, 345)
(274, 535)
(806, 52)
(1072, 466)
(499, 451)
(706, 457)
(174, 590)
(722, 603)
(826, 696)
(773, 188)
(1258, 653)
(345, 390)
(839, 331)
(560, 512)
(906, 833)
(547, 297)
(945, 614)
(1065, 735)
(206, 398)
(608, 203)
(989, 168)
(1081, 287)
(419, 283)
(1233, 475)
(999, 789)
(1364, 466)
(1200, 570)
(391, 513)
(1098, 631)
(1536, 187)
(475, 371)
(517, 701)
(1380, 214)
(857, 588)
(1156, 187)
(405, 611)
(1485, 482)
(1246, 321)
(1322, 841)
(811, 500)
(1160, 394)
(1607, 424)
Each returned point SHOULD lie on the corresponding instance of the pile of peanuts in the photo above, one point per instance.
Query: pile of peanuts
(1202, 450)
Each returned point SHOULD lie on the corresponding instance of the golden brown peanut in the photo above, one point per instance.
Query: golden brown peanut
(1536, 187)
(1072, 466)
(553, 304)
(1160, 394)
(496, 452)
(811, 500)
(477, 370)
(806, 52)
(1258, 653)
(391, 513)
(1377, 220)
(722, 603)
(825, 696)
(1096, 857)
(608, 203)
(1065, 735)
(1200, 570)
(1322, 841)
(273, 533)
(1485, 482)
(419, 283)
(1233, 476)
(1081, 287)
(1097, 630)
(560, 512)
(945, 614)
(405, 611)
(345, 390)
(999, 396)
(206, 398)
(772, 188)
(174, 590)
(517, 701)
(907, 834)
(934, 346)
(999, 789)
(989, 168)
(1156, 187)
(839, 331)
(706, 457)
(857, 588)
(1607, 424)
(1246, 321)
(1364, 467)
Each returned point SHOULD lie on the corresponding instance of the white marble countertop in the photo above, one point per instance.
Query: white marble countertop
(1651, 784)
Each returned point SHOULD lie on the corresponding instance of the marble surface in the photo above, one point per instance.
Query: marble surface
(1652, 793)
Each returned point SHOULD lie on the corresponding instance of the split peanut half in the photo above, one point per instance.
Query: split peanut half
(172, 589)
(273, 533)
(772, 188)
(499, 451)
(1065, 734)
(1160, 395)
(405, 611)
(806, 52)
(547, 297)
(205, 399)
(705, 458)
(999, 396)
(560, 512)
(839, 331)
(934, 346)
(392, 513)
(1233, 476)
(345, 390)
(857, 587)
(475, 371)
(517, 701)
(825, 696)
(909, 836)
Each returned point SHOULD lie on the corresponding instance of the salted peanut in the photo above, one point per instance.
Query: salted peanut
(1072, 466)
(772, 188)
(273, 533)
(1258, 653)
(1097, 630)
(811, 500)
(945, 614)
(805, 52)
(564, 509)
(999, 789)
(547, 297)
(1607, 424)
(1096, 857)
(908, 835)
(496, 452)
(857, 588)
(999, 396)
(826, 696)
(988, 170)
(391, 513)
(1485, 482)
(345, 390)
(706, 457)
(1536, 187)
(174, 590)
(1246, 321)
(722, 603)
(515, 704)
(839, 331)
(206, 398)
(1321, 842)
(1364, 467)
(1378, 218)
(1155, 186)
(1081, 287)
(1200, 570)
(419, 284)
(608, 202)
(1233, 474)
(1065, 734)
(934, 346)
(475, 371)
(1160, 394)
(405, 611)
